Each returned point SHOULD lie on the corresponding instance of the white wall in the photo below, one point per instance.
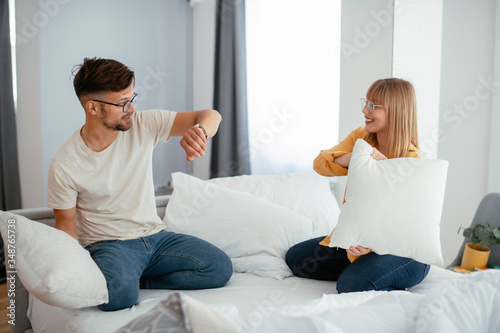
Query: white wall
(466, 111)
(203, 70)
(366, 55)
(494, 166)
(151, 38)
(29, 116)
(417, 58)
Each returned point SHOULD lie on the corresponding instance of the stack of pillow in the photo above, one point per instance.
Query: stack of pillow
(254, 219)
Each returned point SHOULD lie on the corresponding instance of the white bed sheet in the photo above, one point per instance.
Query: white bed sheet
(463, 304)
(247, 298)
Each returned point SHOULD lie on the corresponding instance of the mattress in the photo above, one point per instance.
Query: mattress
(247, 299)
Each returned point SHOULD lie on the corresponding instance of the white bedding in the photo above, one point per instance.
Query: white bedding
(467, 304)
(247, 293)
(258, 304)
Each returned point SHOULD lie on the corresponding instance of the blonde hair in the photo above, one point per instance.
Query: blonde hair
(398, 98)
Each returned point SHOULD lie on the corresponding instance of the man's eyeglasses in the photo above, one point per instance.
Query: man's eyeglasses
(125, 106)
(369, 105)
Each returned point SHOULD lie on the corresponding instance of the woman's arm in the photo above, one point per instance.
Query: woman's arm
(343, 160)
(323, 167)
(334, 162)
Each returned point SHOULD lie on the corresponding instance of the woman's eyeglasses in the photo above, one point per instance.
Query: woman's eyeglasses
(369, 105)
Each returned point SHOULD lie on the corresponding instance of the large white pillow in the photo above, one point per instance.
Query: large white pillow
(306, 193)
(52, 265)
(254, 232)
(392, 206)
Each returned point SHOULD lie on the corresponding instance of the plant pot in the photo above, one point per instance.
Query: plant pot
(474, 256)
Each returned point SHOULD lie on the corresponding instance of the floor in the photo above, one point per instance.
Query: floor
(4, 302)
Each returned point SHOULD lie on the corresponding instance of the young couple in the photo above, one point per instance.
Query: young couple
(100, 186)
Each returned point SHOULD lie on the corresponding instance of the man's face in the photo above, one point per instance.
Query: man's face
(113, 116)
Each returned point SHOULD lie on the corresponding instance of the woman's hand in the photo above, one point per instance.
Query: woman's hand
(377, 155)
(358, 250)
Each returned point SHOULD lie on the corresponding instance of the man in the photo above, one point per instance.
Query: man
(100, 186)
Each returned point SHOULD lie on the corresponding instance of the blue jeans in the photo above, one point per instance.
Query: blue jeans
(369, 272)
(165, 260)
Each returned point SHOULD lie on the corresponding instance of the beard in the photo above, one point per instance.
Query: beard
(118, 126)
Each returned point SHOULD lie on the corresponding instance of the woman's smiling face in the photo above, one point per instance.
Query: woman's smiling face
(376, 116)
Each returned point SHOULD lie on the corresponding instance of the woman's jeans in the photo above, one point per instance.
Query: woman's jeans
(369, 272)
(165, 260)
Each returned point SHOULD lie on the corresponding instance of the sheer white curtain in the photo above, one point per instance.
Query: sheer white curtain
(293, 65)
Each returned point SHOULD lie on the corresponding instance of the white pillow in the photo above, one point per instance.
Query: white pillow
(51, 264)
(262, 265)
(240, 224)
(392, 206)
(308, 194)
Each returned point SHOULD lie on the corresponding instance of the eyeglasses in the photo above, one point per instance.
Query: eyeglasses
(125, 106)
(369, 105)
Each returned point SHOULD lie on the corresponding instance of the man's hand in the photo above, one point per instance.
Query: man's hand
(194, 142)
(358, 251)
(195, 127)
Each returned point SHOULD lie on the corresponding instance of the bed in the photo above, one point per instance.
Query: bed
(258, 304)
(262, 295)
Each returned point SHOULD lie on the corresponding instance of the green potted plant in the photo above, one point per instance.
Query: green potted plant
(476, 253)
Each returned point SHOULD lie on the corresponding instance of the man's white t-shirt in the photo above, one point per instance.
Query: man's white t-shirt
(113, 189)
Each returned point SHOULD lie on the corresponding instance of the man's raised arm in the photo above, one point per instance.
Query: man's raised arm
(195, 127)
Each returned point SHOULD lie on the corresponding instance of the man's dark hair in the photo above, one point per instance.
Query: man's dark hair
(101, 75)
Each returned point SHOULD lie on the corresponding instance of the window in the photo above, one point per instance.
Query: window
(293, 69)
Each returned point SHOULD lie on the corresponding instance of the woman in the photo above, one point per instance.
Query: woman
(391, 128)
